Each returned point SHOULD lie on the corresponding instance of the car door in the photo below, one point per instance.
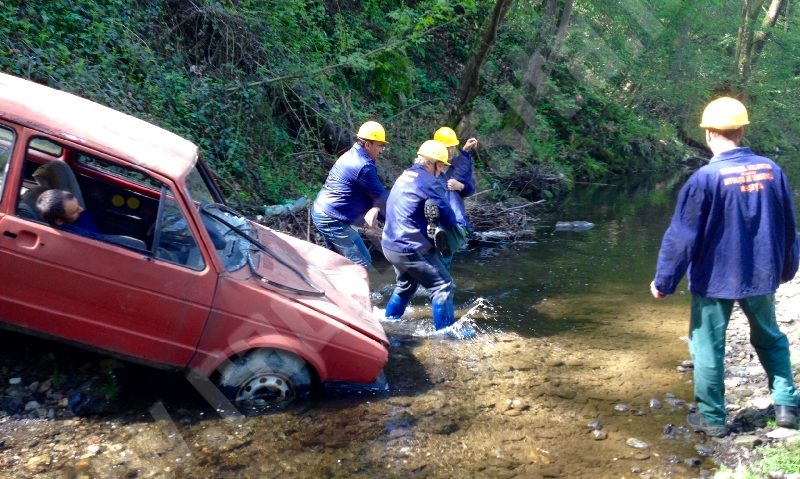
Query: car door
(104, 295)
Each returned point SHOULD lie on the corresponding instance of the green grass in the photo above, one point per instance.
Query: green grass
(784, 458)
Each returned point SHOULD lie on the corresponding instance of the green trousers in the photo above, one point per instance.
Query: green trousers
(707, 346)
(456, 239)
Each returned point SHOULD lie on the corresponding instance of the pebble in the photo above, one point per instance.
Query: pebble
(38, 464)
(675, 402)
(637, 443)
(14, 381)
(595, 424)
(93, 450)
(655, 404)
(622, 408)
(704, 450)
(693, 462)
(747, 441)
(783, 433)
(761, 403)
(599, 435)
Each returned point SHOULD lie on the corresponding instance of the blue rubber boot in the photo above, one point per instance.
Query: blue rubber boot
(395, 307)
(443, 314)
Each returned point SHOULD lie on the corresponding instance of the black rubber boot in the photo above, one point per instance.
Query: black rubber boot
(436, 233)
(786, 416)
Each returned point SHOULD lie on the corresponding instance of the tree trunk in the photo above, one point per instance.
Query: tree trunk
(760, 39)
(470, 78)
(749, 43)
(552, 32)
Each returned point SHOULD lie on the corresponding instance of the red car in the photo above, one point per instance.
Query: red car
(166, 273)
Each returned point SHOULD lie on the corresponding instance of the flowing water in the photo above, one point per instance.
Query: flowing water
(574, 373)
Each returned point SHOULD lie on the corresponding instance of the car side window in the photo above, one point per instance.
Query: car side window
(7, 138)
(174, 241)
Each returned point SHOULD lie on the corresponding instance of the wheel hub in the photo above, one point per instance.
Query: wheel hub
(265, 390)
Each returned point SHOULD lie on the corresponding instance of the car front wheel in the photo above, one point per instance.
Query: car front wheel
(265, 379)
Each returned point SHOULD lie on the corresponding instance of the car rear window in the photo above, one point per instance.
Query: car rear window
(46, 146)
(134, 176)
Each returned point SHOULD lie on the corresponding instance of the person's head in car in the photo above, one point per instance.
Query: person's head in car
(58, 207)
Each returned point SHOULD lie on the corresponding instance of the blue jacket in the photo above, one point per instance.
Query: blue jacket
(352, 187)
(733, 229)
(405, 228)
(460, 170)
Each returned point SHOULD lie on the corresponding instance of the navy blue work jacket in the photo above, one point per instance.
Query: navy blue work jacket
(461, 170)
(352, 188)
(405, 228)
(733, 228)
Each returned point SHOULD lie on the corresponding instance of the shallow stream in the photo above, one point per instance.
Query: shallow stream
(575, 373)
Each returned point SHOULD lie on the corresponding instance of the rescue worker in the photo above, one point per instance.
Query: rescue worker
(460, 183)
(352, 195)
(734, 230)
(407, 246)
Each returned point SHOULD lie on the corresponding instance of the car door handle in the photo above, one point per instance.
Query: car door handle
(25, 239)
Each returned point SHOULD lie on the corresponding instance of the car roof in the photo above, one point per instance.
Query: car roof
(85, 122)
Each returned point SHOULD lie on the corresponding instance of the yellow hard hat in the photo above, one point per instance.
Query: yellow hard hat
(372, 131)
(447, 136)
(724, 113)
(435, 151)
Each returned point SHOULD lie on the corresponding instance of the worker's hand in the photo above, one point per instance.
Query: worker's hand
(371, 218)
(470, 144)
(655, 292)
(454, 185)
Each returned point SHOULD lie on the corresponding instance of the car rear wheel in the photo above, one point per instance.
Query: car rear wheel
(265, 379)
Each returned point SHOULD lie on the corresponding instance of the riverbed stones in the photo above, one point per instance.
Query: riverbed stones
(783, 433)
(38, 464)
(761, 403)
(636, 443)
(747, 441)
(704, 450)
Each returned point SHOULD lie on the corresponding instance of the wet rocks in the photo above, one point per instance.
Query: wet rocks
(637, 443)
(599, 435)
(511, 407)
(623, 408)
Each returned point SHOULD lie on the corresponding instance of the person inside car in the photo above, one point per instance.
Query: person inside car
(61, 209)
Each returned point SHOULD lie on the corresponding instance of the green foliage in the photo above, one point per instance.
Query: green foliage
(263, 86)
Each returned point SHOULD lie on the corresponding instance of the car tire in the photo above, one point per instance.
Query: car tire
(265, 379)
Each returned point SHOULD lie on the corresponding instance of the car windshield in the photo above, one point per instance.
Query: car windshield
(232, 234)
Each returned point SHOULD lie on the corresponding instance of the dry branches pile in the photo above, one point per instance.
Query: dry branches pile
(492, 222)
(503, 221)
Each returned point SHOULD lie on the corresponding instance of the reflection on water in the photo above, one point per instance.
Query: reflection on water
(616, 257)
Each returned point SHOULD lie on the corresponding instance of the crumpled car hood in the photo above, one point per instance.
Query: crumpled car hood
(346, 286)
